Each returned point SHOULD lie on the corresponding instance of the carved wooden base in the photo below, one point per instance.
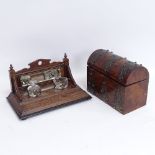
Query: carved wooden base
(33, 106)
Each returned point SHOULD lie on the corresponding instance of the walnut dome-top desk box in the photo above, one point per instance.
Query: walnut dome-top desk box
(43, 86)
(120, 83)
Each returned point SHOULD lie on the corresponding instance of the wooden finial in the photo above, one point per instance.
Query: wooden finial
(65, 59)
(65, 55)
(11, 67)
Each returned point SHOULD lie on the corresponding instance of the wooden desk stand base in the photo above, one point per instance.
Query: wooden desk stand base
(26, 109)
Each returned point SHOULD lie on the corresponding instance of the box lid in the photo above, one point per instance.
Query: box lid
(117, 68)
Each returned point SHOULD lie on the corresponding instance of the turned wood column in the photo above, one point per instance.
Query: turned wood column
(13, 82)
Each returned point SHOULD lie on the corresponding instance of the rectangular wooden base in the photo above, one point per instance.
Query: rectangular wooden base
(34, 106)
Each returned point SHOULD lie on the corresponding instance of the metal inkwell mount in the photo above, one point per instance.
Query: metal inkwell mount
(45, 85)
(33, 88)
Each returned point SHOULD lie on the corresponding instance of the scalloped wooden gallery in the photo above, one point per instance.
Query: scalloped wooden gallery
(120, 83)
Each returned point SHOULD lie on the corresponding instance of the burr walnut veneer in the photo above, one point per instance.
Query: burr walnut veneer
(50, 98)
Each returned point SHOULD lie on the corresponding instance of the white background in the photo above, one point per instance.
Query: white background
(32, 29)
